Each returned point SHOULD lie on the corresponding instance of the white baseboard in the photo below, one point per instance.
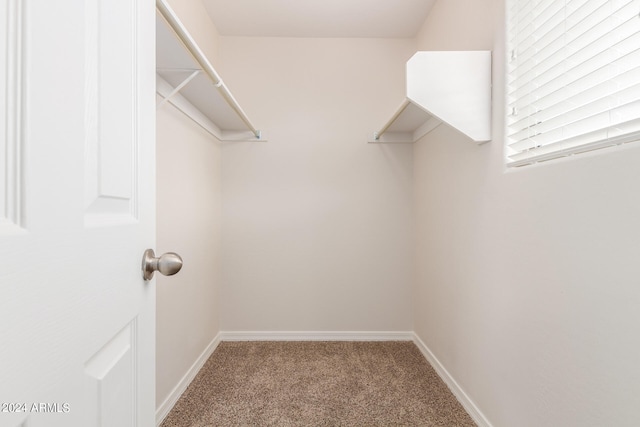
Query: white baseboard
(168, 404)
(317, 336)
(453, 385)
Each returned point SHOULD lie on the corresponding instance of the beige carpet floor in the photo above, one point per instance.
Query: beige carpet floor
(317, 384)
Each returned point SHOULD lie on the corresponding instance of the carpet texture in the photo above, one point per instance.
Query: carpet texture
(317, 384)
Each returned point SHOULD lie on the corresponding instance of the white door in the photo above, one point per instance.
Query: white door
(77, 196)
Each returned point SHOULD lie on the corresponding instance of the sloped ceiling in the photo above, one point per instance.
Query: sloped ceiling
(319, 18)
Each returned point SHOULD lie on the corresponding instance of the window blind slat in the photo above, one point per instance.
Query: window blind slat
(541, 40)
(588, 142)
(526, 11)
(622, 68)
(626, 87)
(574, 79)
(605, 65)
(597, 39)
(604, 113)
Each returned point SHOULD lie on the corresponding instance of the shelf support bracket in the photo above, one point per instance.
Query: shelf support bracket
(178, 88)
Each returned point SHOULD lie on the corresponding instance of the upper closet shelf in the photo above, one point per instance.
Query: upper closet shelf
(443, 87)
(186, 79)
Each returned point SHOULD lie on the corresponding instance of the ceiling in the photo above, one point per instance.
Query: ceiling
(319, 18)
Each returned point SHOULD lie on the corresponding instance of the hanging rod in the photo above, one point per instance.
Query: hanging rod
(191, 46)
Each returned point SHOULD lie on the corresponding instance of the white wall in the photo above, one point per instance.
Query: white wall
(188, 222)
(527, 281)
(195, 18)
(317, 224)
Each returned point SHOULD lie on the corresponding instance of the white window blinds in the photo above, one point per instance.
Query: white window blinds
(573, 77)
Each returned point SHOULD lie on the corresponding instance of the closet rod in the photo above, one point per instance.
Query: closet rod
(191, 46)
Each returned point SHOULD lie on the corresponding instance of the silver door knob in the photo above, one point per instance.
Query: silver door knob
(167, 264)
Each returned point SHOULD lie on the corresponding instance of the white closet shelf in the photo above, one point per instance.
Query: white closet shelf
(443, 87)
(186, 79)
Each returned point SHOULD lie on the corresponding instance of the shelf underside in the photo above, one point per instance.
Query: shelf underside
(408, 125)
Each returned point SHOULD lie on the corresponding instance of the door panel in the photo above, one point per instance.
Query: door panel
(111, 137)
(113, 383)
(77, 200)
(10, 93)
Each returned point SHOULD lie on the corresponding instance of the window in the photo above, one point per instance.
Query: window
(573, 77)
